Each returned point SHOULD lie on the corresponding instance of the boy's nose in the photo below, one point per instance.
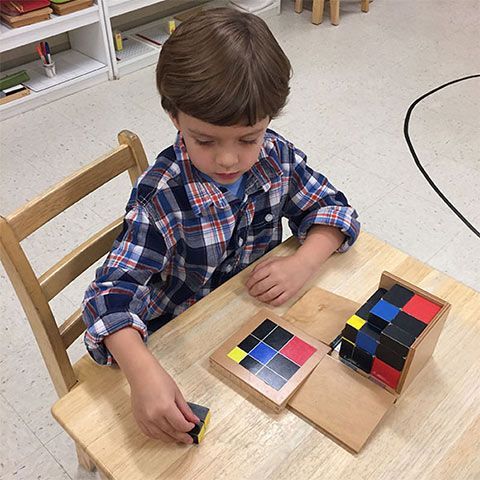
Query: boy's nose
(226, 160)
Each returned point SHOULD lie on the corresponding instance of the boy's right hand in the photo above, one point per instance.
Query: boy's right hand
(159, 407)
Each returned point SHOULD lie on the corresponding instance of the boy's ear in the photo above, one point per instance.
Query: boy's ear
(174, 120)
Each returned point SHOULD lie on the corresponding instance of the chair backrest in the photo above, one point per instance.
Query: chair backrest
(35, 292)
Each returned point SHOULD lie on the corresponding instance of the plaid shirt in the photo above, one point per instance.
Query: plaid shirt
(183, 236)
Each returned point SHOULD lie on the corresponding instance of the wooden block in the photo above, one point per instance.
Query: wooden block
(409, 324)
(368, 338)
(321, 314)
(397, 340)
(342, 403)
(203, 413)
(389, 357)
(398, 295)
(422, 308)
(269, 357)
(382, 313)
(386, 373)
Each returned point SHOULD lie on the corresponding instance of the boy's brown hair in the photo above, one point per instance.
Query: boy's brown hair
(223, 67)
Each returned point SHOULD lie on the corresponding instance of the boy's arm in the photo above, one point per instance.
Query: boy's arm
(319, 216)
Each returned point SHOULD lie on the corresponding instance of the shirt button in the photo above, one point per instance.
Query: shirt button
(228, 268)
(240, 242)
(268, 217)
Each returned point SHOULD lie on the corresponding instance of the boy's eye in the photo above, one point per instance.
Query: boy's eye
(203, 142)
(249, 142)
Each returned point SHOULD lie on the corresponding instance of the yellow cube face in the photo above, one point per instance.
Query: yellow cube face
(356, 322)
(237, 354)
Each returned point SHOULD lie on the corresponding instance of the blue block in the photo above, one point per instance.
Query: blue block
(366, 342)
(385, 310)
(263, 353)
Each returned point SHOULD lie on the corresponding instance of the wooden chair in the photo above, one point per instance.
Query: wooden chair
(35, 292)
(317, 10)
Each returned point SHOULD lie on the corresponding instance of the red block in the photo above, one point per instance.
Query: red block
(298, 351)
(385, 373)
(421, 308)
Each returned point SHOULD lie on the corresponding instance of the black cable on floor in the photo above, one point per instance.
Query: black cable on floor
(417, 161)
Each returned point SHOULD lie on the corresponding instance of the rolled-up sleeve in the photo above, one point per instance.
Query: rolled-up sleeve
(119, 296)
(312, 200)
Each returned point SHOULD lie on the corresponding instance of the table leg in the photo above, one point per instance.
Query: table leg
(335, 12)
(317, 11)
(365, 5)
(298, 6)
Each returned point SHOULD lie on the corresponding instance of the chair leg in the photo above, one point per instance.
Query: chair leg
(335, 12)
(299, 6)
(317, 11)
(365, 5)
(84, 460)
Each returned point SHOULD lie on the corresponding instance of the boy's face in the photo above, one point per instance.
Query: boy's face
(222, 153)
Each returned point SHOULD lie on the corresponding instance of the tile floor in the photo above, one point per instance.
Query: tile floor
(351, 88)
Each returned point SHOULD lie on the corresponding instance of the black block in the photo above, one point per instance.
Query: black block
(409, 324)
(362, 359)
(364, 311)
(278, 338)
(264, 329)
(350, 333)
(397, 340)
(376, 322)
(398, 295)
(376, 297)
(346, 349)
(391, 358)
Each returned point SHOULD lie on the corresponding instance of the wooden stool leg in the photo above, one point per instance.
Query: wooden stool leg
(299, 6)
(317, 11)
(335, 12)
(365, 5)
(84, 460)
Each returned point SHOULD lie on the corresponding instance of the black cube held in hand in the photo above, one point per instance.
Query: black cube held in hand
(203, 413)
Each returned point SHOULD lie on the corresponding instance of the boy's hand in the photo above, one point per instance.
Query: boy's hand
(159, 407)
(277, 279)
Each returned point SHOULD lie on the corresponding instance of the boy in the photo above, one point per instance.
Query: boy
(209, 206)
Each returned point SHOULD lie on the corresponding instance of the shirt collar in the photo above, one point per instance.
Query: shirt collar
(202, 194)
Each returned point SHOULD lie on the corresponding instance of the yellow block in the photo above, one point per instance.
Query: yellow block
(356, 322)
(237, 354)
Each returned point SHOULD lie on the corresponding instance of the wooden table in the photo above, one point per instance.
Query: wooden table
(432, 432)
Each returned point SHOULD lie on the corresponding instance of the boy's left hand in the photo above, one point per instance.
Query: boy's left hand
(277, 279)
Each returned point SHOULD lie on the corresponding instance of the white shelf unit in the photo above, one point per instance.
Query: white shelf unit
(84, 64)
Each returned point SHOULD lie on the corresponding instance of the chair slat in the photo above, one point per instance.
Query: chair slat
(72, 328)
(77, 261)
(48, 205)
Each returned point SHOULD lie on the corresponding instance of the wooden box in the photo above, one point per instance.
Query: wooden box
(344, 403)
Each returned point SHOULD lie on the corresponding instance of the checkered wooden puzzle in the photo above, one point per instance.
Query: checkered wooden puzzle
(270, 356)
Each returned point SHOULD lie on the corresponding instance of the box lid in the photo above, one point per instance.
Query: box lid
(345, 405)
(321, 314)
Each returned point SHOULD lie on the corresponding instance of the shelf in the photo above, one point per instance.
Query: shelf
(135, 54)
(118, 7)
(15, 37)
(75, 71)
